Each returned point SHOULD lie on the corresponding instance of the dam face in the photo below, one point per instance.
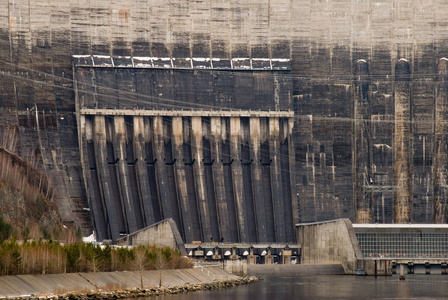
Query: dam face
(236, 119)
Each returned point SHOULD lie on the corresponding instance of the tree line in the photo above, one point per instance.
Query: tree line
(51, 257)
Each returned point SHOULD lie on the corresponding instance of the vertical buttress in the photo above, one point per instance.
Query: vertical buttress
(131, 210)
(141, 170)
(106, 184)
(187, 206)
(208, 163)
(227, 224)
(257, 180)
(246, 163)
(199, 177)
(113, 174)
(93, 179)
(165, 174)
(293, 178)
(237, 176)
(151, 160)
(286, 180)
(440, 145)
(276, 179)
(402, 142)
(361, 145)
(265, 161)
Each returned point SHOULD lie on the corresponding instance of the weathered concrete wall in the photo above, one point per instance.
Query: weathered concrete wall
(332, 242)
(237, 267)
(59, 284)
(160, 234)
(325, 42)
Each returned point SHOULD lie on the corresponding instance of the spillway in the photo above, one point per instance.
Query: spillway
(206, 170)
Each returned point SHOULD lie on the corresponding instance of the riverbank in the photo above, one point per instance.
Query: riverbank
(158, 291)
(103, 285)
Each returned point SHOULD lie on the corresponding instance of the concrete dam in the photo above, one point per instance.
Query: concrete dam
(235, 119)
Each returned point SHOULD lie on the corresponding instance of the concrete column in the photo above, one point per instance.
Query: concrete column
(237, 176)
(129, 205)
(167, 192)
(197, 155)
(402, 142)
(285, 165)
(102, 166)
(224, 217)
(142, 172)
(265, 161)
(268, 259)
(440, 132)
(151, 167)
(293, 177)
(257, 180)
(92, 178)
(276, 179)
(361, 145)
(187, 206)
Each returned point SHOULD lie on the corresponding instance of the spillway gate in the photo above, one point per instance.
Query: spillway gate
(221, 175)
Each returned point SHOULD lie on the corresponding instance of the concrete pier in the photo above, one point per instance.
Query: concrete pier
(197, 156)
(142, 171)
(187, 200)
(132, 209)
(237, 177)
(227, 223)
(257, 179)
(105, 163)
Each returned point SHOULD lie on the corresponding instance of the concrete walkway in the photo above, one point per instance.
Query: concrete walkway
(58, 284)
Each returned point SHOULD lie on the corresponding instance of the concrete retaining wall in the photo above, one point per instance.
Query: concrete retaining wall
(295, 270)
(332, 242)
(161, 234)
(57, 284)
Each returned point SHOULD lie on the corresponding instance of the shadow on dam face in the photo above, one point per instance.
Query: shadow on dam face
(219, 176)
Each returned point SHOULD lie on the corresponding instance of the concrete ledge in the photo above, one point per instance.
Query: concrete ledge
(187, 113)
(58, 284)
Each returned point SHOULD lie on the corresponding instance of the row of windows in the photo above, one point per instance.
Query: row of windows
(404, 245)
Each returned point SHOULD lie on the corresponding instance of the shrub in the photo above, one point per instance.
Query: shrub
(5, 230)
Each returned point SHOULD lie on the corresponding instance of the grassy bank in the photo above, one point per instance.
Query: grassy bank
(50, 257)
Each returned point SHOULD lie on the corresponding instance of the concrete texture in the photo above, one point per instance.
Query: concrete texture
(160, 234)
(58, 284)
(365, 80)
(331, 242)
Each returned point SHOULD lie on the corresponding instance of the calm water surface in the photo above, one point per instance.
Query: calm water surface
(329, 287)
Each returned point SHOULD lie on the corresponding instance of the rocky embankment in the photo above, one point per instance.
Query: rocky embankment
(114, 285)
(155, 291)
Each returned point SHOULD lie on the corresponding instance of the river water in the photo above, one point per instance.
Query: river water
(329, 287)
